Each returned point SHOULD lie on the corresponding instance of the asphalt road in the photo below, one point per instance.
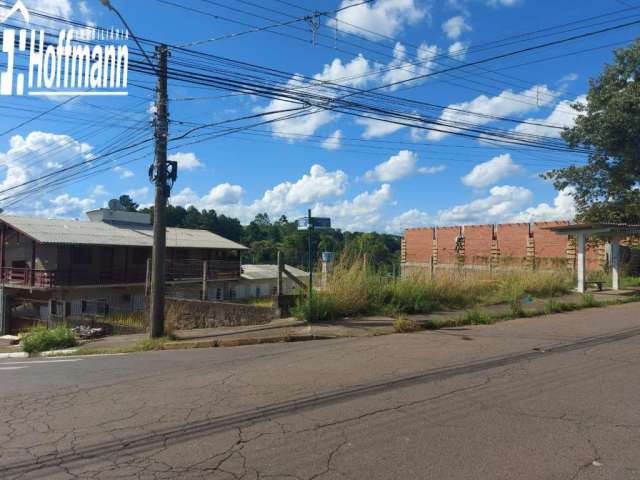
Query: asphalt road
(543, 398)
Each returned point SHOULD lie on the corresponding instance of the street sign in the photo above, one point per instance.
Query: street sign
(303, 223)
(321, 222)
(327, 257)
(318, 223)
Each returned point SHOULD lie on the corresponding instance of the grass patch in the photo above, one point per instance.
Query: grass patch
(403, 324)
(42, 339)
(143, 345)
(355, 291)
(476, 317)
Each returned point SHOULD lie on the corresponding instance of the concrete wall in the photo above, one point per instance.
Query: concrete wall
(187, 314)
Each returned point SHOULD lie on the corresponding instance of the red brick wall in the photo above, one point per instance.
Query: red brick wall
(477, 244)
(549, 244)
(447, 243)
(512, 239)
(592, 258)
(418, 244)
(550, 248)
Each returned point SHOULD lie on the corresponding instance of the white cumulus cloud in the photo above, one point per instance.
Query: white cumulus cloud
(502, 203)
(563, 115)
(563, 208)
(403, 164)
(490, 172)
(505, 104)
(455, 26)
(458, 50)
(359, 214)
(186, 161)
(383, 17)
(332, 142)
(413, 218)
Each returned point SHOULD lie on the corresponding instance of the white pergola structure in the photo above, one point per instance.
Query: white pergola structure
(612, 232)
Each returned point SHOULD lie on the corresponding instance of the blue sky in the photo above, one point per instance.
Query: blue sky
(365, 175)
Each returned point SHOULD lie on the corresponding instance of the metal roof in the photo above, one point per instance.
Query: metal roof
(598, 229)
(76, 232)
(266, 272)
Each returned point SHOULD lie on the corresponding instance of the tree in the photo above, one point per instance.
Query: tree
(607, 187)
(128, 204)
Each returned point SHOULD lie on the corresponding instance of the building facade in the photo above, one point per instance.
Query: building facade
(71, 270)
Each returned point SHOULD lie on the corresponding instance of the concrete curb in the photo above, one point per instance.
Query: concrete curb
(14, 355)
(239, 342)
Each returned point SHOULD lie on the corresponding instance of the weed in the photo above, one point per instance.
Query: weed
(589, 301)
(476, 317)
(321, 308)
(41, 339)
(403, 324)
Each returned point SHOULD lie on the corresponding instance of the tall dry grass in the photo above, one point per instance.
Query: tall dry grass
(355, 289)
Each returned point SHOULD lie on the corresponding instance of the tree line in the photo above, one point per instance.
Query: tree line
(265, 237)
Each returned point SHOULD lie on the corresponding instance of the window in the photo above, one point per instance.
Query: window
(81, 256)
(258, 291)
(232, 293)
(218, 293)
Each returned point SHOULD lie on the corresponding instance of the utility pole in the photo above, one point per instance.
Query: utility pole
(158, 174)
(163, 174)
(309, 232)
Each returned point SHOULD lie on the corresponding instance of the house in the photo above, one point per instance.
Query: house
(70, 270)
(262, 281)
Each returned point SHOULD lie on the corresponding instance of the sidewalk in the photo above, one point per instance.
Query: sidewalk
(291, 329)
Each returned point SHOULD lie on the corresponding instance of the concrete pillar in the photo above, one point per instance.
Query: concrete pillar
(615, 263)
(580, 257)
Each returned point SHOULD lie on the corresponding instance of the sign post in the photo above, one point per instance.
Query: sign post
(310, 293)
(310, 223)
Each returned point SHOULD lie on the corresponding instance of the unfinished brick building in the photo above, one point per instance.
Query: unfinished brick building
(501, 246)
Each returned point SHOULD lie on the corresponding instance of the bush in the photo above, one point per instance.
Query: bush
(323, 307)
(403, 324)
(42, 339)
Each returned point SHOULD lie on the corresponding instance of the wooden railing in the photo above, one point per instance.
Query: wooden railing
(175, 270)
(194, 269)
(27, 277)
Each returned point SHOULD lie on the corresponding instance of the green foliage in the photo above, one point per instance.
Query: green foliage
(588, 301)
(128, 204)
(265, 238)
(403, 324)
(321, 308)
(42, 339)
(476, 317)
(354, 290)
(609, 125)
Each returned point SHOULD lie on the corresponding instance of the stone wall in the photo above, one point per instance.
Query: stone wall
(187, 314)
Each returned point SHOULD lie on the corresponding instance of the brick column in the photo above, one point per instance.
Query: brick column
(571, 253)
(531, 252)
(434, 253)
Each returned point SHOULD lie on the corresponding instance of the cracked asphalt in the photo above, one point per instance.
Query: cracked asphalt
(552, 397)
